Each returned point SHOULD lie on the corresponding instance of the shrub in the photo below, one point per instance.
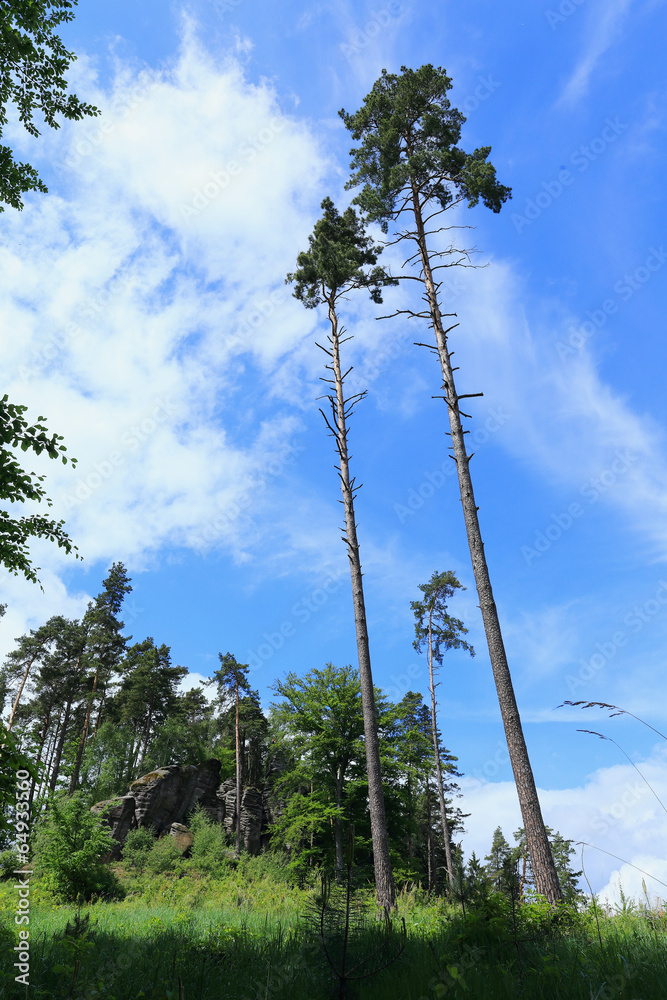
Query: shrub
(209, 849)
(164, 857)
(69, 848)
(138, 845)
(10, 862)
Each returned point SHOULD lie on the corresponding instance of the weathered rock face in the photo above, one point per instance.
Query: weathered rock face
(251, 814)
(182, 837)
(167, 795)
(163, 799)
(119, 814)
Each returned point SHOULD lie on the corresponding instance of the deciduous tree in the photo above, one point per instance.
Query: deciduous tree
(18, 486)
(33, 63)
(322, 720)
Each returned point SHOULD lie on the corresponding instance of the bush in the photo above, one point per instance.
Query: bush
(10, 862)
(209, 850)
(138, 845)
(164, 857)
(69, 849)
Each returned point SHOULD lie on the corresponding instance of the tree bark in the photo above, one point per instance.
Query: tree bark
(429, 839)
(238, 778)
(42, 742)
(438, 766)
(384, 879)
(546, 877)
(59, 750)
(84, 733)
(338, 829)
(10, 723)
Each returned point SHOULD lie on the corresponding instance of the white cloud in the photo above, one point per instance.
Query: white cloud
(129, 294)
(195, 680)
(565, 421)
(613, 811)
(645, 881)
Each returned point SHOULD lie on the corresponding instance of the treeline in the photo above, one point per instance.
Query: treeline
(94, 710)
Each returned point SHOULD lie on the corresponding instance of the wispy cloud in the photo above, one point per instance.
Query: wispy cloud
(603, 28)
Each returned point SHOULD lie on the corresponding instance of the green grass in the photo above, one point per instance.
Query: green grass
(245, 936)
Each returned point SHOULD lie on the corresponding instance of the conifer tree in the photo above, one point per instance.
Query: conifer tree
(232, 679)
(342, 258)
(105, 646)
(440, 631)
(409, 164)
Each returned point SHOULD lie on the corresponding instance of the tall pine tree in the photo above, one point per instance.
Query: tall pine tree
(409, 164)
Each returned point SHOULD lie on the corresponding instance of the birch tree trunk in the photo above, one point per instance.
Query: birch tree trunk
(546, 877)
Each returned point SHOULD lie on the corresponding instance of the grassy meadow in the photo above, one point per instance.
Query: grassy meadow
(246, 933)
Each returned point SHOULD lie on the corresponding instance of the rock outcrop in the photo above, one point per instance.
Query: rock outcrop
(183, 838)
(167, 795)
(163, 799)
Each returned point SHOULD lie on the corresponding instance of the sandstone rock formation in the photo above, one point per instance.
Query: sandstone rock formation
(163, 799)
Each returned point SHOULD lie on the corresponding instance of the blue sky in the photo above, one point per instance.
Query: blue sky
(144, 312)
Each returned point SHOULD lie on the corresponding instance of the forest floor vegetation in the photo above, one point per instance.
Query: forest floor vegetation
(250, 931)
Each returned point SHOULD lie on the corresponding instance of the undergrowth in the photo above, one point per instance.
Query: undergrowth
(244, 934)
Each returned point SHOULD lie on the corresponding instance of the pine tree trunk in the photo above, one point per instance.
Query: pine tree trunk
(429, 838)
(51, 743)
(384, 879)
(411, 850)
(99, 711)
(438, 766)
(42, 742)
(338, 829)
(238, 778)
(84, 733)
(10, 723)
(546, 877)
(59, 750)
